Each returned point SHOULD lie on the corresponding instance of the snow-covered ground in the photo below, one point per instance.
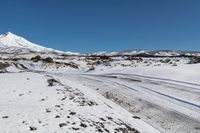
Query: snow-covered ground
(28, 103)
(166, 106)
(48, 91)
(88, 94)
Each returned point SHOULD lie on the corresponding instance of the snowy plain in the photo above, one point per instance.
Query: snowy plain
(99, 92)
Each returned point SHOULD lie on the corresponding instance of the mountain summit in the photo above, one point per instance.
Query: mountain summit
(12, 41)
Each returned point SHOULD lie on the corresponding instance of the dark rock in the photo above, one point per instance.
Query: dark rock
(5, 117)
(33, 128)
(57, 116)
(62, 124)
(72, 113)
(83, 125)
(74, 128)
(136, 117)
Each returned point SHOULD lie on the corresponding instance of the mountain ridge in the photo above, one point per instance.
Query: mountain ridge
(12, 43)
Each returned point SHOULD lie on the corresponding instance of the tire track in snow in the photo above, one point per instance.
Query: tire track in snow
(113, 83)
(167, 114)
(174, 98)
(162, 79)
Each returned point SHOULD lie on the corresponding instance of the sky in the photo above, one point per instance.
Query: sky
(104, 25)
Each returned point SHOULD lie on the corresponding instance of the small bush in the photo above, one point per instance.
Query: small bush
(48, 60)
(194, 60)
(3, 65)
(197, 58)
(16, 59)
(52, 82)
(165, 60)
(73, 65)
(36, 58)
(104, 57)
(91, 68)
(131, 58)
(98, 62)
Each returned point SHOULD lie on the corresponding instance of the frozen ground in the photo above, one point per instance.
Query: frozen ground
(88, 94)
(166, 106)
(29, 103)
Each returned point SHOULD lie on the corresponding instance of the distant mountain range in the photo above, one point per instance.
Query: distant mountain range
(11, 43)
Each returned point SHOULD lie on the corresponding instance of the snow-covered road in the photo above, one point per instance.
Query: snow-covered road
(169, 106)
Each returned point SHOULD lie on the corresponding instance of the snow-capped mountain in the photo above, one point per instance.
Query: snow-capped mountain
(11, 42)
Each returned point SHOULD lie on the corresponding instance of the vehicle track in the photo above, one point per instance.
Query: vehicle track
(171, 119)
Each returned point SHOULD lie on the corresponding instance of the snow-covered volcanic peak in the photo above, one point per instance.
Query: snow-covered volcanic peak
(10, 41)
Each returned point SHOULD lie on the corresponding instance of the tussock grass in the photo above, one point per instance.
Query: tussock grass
(4, 65)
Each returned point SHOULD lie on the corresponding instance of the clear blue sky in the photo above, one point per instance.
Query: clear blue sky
(104, 25)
